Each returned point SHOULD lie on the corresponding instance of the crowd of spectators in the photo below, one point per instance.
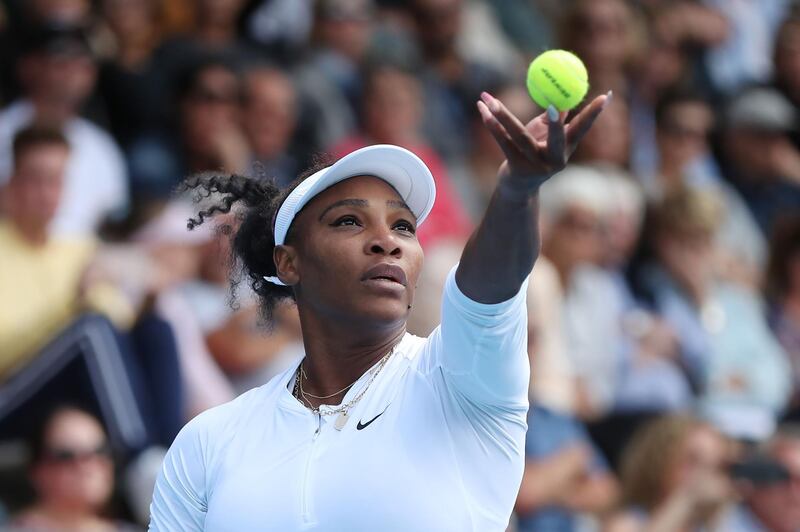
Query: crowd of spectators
(664, 309)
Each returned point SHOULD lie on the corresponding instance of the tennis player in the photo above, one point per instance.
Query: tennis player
(376, 429)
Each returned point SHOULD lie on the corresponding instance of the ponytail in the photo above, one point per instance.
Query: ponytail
(253, 242)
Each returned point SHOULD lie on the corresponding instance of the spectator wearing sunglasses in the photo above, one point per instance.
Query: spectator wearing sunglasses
(206, 133)
(684, 123)
(72, 473)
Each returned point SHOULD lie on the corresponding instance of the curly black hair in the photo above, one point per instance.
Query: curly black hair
(252, 237)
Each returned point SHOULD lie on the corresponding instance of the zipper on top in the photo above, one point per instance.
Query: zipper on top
(306, 486)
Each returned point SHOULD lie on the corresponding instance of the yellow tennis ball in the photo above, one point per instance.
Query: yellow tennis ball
(559, 78)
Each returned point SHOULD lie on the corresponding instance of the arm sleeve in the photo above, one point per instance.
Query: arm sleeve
(179, 499)
(482, 349)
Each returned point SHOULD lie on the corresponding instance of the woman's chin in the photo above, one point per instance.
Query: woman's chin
(385, 310)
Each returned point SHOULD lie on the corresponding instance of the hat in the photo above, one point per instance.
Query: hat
(403, 170)
(762, 109)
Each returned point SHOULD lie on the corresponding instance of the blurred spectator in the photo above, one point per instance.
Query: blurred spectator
(24, 17)
(684, 121)
(136, 99)
(649, 377)
(330, 79)
(529, 24)
(213, 31)
(451, 82)
(573, 207)
(787, 59)
(483, 41)
(269, 118)
(783, 296)
(476, 178)
(343, 32)
(58, 74)
(564, 475)
(608, 337)
(678, 34)
(60, 12)
(280, 27)
(207, 135)
(773, 504)
(177, 255)
(741, 55)
(72, 472)
(674, 478)
(727, 349)
(391, 114)
(758, 156)
(609, 139)
(603, 33)
(51, 350)
(248, 355)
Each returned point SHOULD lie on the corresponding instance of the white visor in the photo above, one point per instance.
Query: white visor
(406, 172)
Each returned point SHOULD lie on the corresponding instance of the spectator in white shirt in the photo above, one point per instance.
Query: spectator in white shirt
(57, 73)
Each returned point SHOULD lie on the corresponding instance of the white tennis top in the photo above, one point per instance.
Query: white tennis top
(445, 452)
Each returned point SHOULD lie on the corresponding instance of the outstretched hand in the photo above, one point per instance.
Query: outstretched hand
(536, 150)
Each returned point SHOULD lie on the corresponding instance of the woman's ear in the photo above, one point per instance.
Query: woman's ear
(285, 258)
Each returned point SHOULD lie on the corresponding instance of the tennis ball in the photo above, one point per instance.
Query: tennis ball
(559, 78)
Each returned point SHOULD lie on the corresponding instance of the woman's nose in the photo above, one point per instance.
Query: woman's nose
(383, 242)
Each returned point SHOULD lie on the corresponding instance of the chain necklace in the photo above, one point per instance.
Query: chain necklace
(342, 410)
(306, 394)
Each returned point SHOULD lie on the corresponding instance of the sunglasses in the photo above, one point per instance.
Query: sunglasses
(205, 95)
(64, 456)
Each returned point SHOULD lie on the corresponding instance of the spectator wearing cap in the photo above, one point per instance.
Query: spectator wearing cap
(737, 366)
(771, 501)
(58, 73)
(757, 154)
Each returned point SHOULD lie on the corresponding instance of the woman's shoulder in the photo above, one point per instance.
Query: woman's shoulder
(224, 419)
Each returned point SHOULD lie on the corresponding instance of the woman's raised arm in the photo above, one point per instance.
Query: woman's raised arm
(501, 252)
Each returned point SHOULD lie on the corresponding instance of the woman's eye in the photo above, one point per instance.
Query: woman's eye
(345, 220)
(405, 226)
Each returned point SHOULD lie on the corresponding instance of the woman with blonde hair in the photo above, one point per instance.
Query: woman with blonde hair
(673, 477)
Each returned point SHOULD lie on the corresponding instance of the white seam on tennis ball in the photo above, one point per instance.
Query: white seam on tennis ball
(578, 73)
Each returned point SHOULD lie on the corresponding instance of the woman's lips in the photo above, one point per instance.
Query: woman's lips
(385, 273)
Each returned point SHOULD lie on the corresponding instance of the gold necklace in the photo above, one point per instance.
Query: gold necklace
(304, 376)
(342, 410)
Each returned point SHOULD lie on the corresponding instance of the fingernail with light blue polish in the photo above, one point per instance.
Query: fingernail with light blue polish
(552, 113)
(609, 97)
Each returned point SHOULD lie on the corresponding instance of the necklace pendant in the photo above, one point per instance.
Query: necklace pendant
(341, 421)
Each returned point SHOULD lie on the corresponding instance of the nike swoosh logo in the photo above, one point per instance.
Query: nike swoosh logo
(362, 426)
